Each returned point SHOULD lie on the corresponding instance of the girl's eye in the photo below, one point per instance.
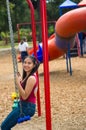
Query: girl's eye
(27, 62)
(24, 62)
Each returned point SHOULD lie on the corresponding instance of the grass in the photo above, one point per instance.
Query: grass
(2, 45)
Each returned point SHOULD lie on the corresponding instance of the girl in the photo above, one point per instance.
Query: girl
(23, 48)
(27, 89)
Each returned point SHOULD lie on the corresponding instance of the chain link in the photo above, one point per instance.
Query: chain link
(13, 50)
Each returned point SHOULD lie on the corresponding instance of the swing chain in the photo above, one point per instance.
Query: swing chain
(15, 66)
(13, 50)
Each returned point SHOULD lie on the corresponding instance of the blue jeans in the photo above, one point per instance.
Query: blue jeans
(12, 118)
(23, 55)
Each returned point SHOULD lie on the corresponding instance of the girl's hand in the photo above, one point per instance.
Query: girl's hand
(18, 78)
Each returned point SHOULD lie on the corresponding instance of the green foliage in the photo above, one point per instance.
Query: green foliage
(5, 37)
(2, 35)
(35, 3)
(51, 30)
(20, 13)
(52, 11)
(6, 46)
(3, 16)
(26, 32)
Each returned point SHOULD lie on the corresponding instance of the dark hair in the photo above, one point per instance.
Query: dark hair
(24, 39)
(35, 62)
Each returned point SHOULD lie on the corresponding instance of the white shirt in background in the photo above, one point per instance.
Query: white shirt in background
(22, 47)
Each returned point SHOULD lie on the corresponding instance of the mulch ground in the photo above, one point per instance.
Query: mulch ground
(68, 94)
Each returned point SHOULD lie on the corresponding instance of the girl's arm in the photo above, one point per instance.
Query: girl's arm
(27, 49)
(28, 88)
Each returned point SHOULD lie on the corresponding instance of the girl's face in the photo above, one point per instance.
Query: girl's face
(28, 64)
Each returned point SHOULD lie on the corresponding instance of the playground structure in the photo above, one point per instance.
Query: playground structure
(59, 42)
(65, 34)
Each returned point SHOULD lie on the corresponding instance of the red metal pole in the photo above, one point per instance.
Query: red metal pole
(34, 45)
(46, 66)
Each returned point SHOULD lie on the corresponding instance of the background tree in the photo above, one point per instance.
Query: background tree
(3, 16)
(20, 13)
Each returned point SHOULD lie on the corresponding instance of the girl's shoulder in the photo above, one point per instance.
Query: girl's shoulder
(32, 80)
(33, 76)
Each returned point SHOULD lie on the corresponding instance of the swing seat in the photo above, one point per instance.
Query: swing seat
(22, 119)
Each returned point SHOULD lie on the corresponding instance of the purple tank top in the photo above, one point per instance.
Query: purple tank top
(31, 98)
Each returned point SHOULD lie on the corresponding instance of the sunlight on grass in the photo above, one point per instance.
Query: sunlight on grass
(2, 44)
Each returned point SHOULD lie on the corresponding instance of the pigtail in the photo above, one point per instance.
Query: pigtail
(37, 63)
(22, 42)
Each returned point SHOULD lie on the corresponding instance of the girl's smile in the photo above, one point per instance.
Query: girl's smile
(28, 65)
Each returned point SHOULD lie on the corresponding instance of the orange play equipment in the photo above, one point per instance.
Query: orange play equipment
(66, 28)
